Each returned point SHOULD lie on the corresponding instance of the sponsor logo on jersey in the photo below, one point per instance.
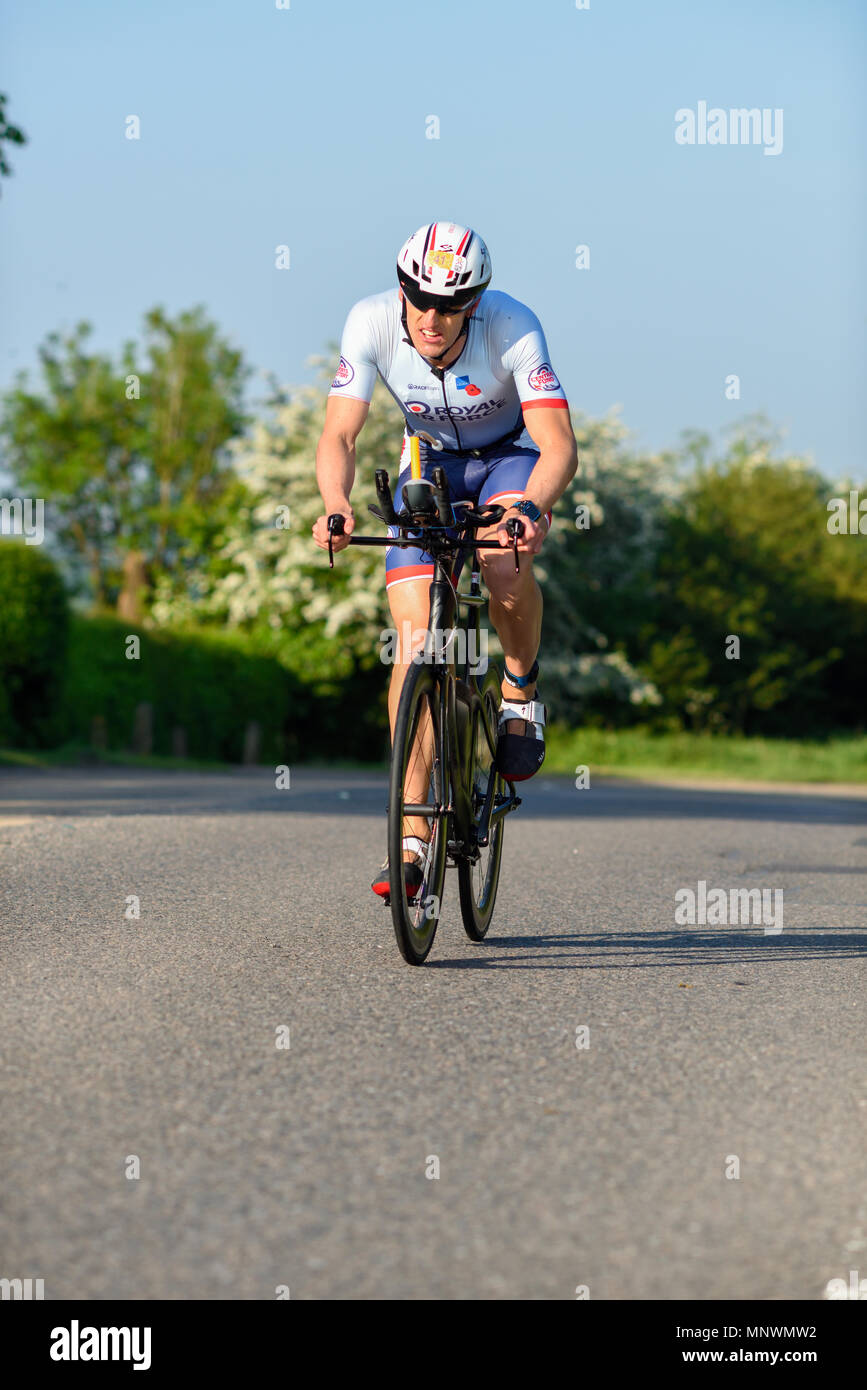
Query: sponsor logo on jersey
(345, 373)
(463, 383)
(457, 412)
(543, 379)
(413, 386)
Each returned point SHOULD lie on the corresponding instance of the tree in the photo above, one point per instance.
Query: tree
(596, 569)
(9, 134)
(269, 580)
(131, 457)
(270, 577)
(748, 554)
(75, 444)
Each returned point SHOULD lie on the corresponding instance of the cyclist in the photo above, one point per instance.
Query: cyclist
(469, 368)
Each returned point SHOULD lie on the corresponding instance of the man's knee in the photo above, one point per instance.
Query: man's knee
(508, 589)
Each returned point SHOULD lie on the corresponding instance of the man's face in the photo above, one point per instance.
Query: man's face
(431, 332)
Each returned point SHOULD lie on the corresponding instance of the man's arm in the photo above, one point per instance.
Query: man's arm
(335, 464)
(546, 417)
(551, 430)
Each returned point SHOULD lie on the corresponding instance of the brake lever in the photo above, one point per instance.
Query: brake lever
(336, 527)
(515, 529)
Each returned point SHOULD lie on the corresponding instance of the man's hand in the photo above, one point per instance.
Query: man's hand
(320, 529)
(534, 532)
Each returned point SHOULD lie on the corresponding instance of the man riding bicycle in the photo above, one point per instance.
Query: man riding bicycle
(469, 368)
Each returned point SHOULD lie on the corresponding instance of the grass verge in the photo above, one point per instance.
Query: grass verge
(637, 753)
(621, 752)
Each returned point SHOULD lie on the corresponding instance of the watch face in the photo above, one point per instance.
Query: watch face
(529, 509)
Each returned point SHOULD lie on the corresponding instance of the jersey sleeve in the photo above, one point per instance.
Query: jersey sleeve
(356, 370)
(526, 357)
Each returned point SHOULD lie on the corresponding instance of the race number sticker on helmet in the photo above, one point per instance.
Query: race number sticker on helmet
(444, 258)
(543, 379)
(345, 373)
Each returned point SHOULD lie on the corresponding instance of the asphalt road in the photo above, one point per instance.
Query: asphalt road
(603, 1166)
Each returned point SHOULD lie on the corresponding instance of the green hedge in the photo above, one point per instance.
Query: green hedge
(205, 684)
(67, 679)
(34, 628)
(211, 685)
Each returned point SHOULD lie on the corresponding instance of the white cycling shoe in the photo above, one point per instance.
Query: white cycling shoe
(520, 756)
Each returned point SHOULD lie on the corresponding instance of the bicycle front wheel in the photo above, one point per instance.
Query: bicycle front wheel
(478, 880)
(418, 793)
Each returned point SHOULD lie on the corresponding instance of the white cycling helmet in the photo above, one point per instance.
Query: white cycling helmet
(443, 266)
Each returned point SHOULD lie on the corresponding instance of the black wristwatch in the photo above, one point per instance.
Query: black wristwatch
(527, 508)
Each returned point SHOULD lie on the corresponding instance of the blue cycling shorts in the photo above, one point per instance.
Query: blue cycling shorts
(497, 475)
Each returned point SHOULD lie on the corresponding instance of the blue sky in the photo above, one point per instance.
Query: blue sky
(306, 127)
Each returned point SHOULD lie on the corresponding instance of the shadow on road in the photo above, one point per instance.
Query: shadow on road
(314, 792)
(659, 950)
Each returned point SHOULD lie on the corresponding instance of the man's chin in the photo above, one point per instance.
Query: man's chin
(429, 349)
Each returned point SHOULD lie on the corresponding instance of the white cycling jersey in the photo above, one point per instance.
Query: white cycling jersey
(502, 371)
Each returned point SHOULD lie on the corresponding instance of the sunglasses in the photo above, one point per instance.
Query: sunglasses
(447, 307)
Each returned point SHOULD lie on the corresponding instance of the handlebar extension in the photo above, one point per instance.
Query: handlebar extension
(383, 496)
(336, 527)
(441, 497)
(515, 529)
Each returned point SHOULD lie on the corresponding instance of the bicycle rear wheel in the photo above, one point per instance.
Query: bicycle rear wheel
(478, 881)
(418, 780)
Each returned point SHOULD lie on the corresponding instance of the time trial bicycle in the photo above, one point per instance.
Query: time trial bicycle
(443, 753)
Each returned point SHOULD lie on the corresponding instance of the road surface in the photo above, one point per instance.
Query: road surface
(706, 1140)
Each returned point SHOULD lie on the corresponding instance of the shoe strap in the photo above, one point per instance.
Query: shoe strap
(533, 712)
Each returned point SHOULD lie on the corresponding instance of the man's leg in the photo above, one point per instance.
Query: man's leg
(515, 606)
(515, 610)
(409, 601)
